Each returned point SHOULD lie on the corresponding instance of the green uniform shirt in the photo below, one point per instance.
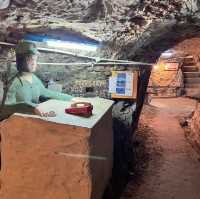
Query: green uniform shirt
(25, 92)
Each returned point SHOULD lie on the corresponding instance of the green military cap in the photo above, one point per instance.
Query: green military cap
(26, 47)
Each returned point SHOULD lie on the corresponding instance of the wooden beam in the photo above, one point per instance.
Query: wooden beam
(145, 73)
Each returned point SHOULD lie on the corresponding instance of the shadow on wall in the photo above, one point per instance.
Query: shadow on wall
(122, 114)
(125, 122)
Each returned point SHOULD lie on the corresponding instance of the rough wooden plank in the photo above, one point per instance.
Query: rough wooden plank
(46, 160)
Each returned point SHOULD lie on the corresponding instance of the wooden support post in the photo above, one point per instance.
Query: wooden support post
(145, 73)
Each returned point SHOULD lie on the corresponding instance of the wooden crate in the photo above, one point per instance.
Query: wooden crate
(50, 160)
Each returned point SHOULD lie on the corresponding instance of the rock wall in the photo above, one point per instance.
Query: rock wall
(190, 46)
(195, 127)
(165, 83)
(76, 80)
(87, 81)
(98, 18)
(119, 23)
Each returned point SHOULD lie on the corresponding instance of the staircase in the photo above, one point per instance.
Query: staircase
(191, 75)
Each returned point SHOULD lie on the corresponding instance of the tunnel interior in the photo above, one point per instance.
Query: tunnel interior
(163, 37)
(91, 81)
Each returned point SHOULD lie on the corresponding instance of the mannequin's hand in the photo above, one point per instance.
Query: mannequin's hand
(44, 114)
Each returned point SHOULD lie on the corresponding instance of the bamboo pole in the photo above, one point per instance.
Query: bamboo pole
(87, 63)
(91, 63)
(96, 59)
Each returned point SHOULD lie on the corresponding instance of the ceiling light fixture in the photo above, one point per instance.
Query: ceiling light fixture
(168, 54)
(71, 42)
(156, 67)
(71, 45)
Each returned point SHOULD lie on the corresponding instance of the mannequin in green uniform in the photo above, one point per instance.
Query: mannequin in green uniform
(26, 87)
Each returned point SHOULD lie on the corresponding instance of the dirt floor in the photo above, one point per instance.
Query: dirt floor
(169, 168)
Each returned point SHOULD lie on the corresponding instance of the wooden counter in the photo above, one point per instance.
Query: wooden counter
(66, 157)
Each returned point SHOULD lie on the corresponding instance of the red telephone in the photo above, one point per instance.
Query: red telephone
(80, 108)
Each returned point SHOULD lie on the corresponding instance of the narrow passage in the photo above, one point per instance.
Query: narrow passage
(176, 173)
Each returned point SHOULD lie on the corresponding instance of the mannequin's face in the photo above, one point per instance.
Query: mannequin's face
(32, 63)
(4, 4)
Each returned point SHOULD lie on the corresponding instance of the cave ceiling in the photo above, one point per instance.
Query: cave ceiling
(117, 21)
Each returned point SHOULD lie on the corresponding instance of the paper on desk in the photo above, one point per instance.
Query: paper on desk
(100, 106)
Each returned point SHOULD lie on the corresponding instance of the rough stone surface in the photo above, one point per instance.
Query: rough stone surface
(170, 166)
(165, 83)
(98, 15)
(195, 127)
(118, 23)
(127, 27)
(130, 29)
(87, 81)
(171, 83)
(190, 46)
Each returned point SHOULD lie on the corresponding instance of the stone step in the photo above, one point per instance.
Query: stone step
(192, 85)
(188, 60)
(188, 57)
(190, 68)
(191, 74)
(192, 92)
(192, 80)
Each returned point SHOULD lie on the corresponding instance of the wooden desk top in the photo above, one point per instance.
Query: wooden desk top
(100, 107)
